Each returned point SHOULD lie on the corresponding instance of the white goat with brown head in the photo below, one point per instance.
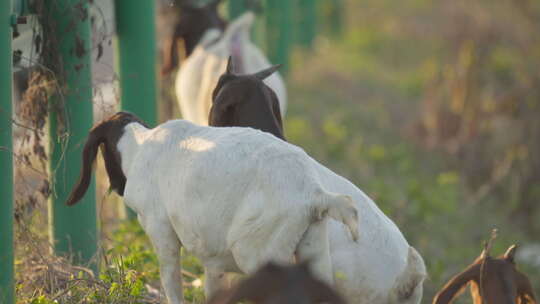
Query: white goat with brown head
(235, 197)
(381, 267)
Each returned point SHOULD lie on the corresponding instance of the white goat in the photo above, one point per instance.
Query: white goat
(235, 197)
(199, 73)
(381, 267)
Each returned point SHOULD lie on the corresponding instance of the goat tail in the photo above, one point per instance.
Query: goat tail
(408, 286)
(88, 156)
(341, 208)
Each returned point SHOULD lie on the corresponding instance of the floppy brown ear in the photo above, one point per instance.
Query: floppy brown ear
(510, 253)
(88, 156)
(457, 284)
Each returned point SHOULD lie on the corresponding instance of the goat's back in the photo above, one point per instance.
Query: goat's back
(217, 183)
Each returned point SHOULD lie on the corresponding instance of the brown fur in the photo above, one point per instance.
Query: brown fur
(493, 281)
(280, 284)
(246, 101)
(105, 134)
(192, 23)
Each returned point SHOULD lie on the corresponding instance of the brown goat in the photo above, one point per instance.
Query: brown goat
(246, 101)
(280, 284)
(493, 281)
(191, 23)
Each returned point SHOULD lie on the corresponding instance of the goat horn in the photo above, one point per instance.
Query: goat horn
(510, 252)
(265, 73)
(230, 66)
(487, 245)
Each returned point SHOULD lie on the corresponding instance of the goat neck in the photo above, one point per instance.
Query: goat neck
(128, 145)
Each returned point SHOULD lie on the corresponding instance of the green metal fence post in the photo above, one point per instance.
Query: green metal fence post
(73, 229)
(137, 52)
(306, 16)
(278, 31)
(6, 158)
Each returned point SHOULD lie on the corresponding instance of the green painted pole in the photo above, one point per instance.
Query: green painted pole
(6, 159)
(279, 31)
(306, 16)
(236, 8)
(73, 229)
(137, 52)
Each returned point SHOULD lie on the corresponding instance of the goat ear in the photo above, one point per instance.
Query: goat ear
(510, 252)
(230, 66)
(88, 156)
(267, 72)
(456, 284)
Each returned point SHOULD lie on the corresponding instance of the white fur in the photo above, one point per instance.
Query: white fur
(200, 72)
(234, 197)
(376, 267)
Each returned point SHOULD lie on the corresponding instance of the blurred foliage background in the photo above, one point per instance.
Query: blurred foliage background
(431, 107)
